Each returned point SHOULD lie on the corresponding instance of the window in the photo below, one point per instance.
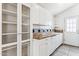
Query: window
(71, 24)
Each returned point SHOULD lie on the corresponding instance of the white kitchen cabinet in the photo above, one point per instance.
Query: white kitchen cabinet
(43, 49)
(56, 41)
(46, 46)
(14, 28)
(50, 45)
(53, 44)
(42, 16)
(40, 47)
(35, 14)
(35, 47)
(45, 16)
(59, 39)
(49, 19)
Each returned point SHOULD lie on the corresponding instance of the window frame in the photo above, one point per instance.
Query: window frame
(69, 23)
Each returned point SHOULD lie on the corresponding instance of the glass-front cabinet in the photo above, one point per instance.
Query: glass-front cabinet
(10, 33)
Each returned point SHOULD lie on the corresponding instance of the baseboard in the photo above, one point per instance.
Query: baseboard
(70, 45)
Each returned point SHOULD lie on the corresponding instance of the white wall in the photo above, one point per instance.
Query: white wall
(69, 38)
(74, 11)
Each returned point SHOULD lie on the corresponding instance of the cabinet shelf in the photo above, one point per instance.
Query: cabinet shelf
(25, 48)
(25, 24)
(9, 48)
(28, 40)
(14, 43)
(6, 22)
(9, 12)
(24, 33)
(14, 4)
(25, 16)
(9, 44)
(8, 33)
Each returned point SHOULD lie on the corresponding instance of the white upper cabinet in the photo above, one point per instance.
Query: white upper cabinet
(45, 16)
(40, 15)
(49, 18)
(35, 14)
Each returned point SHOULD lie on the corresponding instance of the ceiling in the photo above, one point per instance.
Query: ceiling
(56, 8)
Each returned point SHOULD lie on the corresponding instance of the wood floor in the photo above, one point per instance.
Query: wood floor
(66, 50)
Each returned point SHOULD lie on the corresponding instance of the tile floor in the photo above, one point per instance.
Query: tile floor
(66, 50)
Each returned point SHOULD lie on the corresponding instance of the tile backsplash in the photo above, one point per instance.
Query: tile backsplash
(41, 30)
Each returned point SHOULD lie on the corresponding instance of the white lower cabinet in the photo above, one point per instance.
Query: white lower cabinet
(56, 41)
(40, 47)
(47, 46)
(53, 45)
(50, 45)
(43, 49)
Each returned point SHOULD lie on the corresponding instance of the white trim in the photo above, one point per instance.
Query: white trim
(26, 16)
(8, 33)
(23, 41)
(0, 29)
(31, 34)
(25, 24)
(19, 29)
(9, 44)
(9, 12)
(9, 48)
(9, 22)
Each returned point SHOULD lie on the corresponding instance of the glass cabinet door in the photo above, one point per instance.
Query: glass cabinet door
(9, 29)
(25, 30)
(25, 49)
